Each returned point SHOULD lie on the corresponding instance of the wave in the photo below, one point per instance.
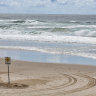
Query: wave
(30, 21)
(21, 21)
(6, 20)
(52, 51)
(51, 29)
(26, 21)
(50, 38)
(45, 31)
(80, 26)
(85, 33)
(66, 26)
(74, 22)
(30, 49)
(45, 27)
(82, 22)
(49, 24)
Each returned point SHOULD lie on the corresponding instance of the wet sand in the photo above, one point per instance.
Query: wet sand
(46, 79)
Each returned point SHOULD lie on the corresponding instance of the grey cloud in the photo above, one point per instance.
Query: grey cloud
(53, 0)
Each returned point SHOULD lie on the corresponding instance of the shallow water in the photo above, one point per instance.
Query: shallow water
(41, 52)
(45, 57)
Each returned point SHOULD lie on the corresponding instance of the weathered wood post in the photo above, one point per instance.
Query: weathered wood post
(8, 62)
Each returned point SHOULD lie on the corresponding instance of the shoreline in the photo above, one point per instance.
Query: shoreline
(33, 56)
(50, 63)
(41, 56)
(17, 63)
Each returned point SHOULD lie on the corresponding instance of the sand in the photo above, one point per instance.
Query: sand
(46, 79)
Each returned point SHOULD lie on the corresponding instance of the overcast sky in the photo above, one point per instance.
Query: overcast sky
(48, 6)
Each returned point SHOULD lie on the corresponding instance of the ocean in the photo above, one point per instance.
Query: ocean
(23, 36)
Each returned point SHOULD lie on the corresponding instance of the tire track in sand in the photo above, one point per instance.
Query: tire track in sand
(60, 89)
(71, 81)
(91, 83)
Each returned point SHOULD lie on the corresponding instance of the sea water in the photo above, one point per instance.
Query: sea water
(58, 36)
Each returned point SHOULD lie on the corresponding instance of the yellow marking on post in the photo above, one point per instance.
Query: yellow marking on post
(7, 60)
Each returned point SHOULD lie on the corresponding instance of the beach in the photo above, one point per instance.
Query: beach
(48, 79)
(52, 55)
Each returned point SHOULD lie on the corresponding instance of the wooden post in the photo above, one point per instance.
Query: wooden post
(8, 75)
(8, 62)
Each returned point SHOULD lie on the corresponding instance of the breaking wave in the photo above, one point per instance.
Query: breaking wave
(44, 38)
(64, 51)
(37, 30)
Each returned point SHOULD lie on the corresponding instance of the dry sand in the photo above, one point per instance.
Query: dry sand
(46, 79)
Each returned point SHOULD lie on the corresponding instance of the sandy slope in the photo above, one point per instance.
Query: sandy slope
(49, 79)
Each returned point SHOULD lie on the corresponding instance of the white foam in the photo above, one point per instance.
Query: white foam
(18, 33)
(73, 21)
(37, 27)
(11, 30)
(79, 26)
(85, 32)
(8, 20)
(66, 26)
(53, 51)
(32, 22)
(54, 38)
(26, 22)
(50, 50)
(1, 20)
